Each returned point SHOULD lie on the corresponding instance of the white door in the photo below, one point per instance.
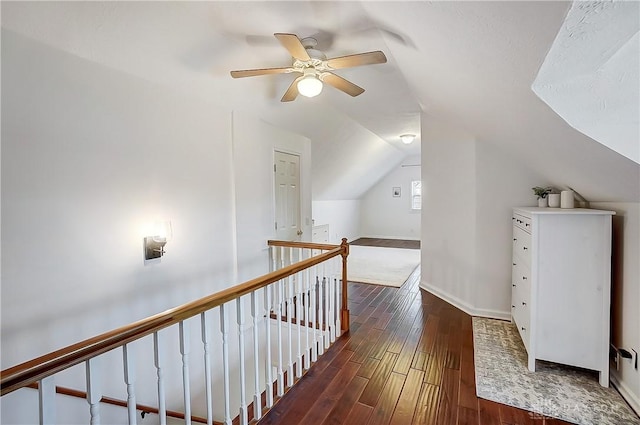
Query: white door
(287, 193)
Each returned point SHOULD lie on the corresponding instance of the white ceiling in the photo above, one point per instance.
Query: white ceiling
(591, 76)
(467, 64)
(193, 45)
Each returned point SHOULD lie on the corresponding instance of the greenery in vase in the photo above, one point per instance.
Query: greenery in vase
(541, 192)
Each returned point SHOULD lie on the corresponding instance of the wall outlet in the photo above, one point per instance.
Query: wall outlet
(614, 356)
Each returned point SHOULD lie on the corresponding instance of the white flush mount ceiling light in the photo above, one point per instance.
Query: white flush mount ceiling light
(407, 139)
(309, 85)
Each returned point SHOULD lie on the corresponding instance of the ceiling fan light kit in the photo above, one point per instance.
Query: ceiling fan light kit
(314, 67)
(309, 85)
(407, 139)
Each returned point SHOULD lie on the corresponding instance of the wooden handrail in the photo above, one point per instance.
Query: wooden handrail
(36, 369)
(308, 245)
(122, 403)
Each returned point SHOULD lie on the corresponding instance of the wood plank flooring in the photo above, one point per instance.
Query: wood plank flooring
(387, 243)
(408, 359)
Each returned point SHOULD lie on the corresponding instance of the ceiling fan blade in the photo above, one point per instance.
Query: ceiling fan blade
(255, 72)
(292, 43)
(341, 84)
(359, 59)
(292, 91)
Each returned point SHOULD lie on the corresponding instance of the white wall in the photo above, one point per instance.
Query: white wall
(448, 216)
(254, 144)
(91, 157)
(625, 296)
(385, 216)
(502, 182)
(343, 218)
(470, 189)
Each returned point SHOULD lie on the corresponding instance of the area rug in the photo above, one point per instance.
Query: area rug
(562, 392)
(381, 266)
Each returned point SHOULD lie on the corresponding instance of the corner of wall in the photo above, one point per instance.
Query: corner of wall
(464, 305)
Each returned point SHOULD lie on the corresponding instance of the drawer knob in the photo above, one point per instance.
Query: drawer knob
(523, 328)
(513, 306)
(527, 224)
(513, 284)
(524, 247)
(514, 264)
(524, 303)
(524, 278)
(515, 239)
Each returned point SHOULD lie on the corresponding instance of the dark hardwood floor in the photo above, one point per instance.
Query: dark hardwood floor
(408, 359)
(387, 243)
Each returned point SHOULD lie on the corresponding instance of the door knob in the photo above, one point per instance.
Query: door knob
(299, 232)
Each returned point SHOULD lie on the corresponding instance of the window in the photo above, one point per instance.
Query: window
(416, 195)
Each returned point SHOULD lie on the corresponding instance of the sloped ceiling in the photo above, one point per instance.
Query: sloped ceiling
(474, 67)
(470, 64)
(591, 76)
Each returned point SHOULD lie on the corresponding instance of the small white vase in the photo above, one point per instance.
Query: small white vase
(554, 200)
(542, 202)
(566, 199)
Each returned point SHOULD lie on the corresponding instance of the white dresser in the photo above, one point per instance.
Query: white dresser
(320, 234)
(561, 285)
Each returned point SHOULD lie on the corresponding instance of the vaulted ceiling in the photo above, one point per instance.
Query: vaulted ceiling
(460, 65)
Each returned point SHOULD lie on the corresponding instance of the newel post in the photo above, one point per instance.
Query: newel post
(344, 319)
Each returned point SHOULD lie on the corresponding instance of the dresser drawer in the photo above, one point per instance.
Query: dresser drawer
(522, 245)
(521, 299)
(522, 222)
(522, 319)
(521, 288)
(523, 330)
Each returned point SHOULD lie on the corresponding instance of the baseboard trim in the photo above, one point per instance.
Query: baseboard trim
(624, 391)
(464, 306)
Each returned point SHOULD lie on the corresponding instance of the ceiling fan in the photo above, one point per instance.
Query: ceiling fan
(314, 68)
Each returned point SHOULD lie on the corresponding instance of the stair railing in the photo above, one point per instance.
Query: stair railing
(306, 286)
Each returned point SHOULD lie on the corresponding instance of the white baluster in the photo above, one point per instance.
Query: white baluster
(272, 259)
(314, 314)
(337, 305)
(320, 314)
(282, 257)
(47, 400)
(307, 294)
(130, 379)
(224, 328)
(332, 311)
(279, 301)
(289, 306)
(243, 390)
(327, 318)
(299, 317)
(185, 349)
(267, 362)
(93, 390)
(204, 327)
(158, 357)
(257, 399)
